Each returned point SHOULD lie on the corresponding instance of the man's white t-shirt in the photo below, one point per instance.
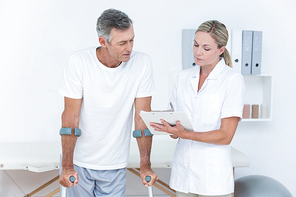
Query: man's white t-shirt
(107, 105)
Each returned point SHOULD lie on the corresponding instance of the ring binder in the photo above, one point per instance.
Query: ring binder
(256, 52)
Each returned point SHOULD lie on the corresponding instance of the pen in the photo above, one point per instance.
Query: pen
(172, 106)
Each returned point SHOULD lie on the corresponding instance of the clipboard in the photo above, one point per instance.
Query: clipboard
(169, 116)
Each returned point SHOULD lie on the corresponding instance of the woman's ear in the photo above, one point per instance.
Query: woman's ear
(221, 50)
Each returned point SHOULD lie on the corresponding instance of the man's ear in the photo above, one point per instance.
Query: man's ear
(103, 41)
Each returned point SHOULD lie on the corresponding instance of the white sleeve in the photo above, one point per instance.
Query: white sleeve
(72, 81)
(234, 98)
(146, 87)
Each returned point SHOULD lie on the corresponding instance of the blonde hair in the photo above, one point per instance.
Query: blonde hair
(220, 34)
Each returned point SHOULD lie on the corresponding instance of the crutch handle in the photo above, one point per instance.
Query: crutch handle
(148, 179)
(72, 179)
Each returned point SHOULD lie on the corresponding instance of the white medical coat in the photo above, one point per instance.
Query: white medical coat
(204, 168)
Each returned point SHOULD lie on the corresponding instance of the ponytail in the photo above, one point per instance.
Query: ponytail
(227, 58)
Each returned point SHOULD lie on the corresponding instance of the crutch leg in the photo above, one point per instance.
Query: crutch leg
(150, 192)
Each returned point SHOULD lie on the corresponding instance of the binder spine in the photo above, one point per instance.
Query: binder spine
(256, 52)
(247, 41)
(236, 50)
(187, 48)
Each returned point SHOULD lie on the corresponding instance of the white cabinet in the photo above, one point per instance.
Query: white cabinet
(259, 91)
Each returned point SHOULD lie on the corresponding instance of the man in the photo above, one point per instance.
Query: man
(101, 87)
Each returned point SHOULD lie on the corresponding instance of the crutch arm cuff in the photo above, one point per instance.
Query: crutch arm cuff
(147, 132)
(137, 133)
(68, 131)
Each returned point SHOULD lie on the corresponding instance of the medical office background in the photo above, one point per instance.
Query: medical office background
(36, 38)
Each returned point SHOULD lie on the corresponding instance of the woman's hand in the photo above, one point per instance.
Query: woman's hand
(175, 131)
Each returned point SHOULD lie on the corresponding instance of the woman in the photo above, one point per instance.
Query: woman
(211, 94)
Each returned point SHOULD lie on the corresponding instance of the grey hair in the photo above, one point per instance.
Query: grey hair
(110, 19)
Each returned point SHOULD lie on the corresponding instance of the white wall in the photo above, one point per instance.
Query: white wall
(36, 38)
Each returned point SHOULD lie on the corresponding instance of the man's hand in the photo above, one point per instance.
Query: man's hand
(65, 177)
(147, 171)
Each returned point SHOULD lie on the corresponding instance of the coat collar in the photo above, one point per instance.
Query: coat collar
(217, 70)
(212, 76)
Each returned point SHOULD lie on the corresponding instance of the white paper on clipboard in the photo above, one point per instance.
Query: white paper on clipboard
(169, 116)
